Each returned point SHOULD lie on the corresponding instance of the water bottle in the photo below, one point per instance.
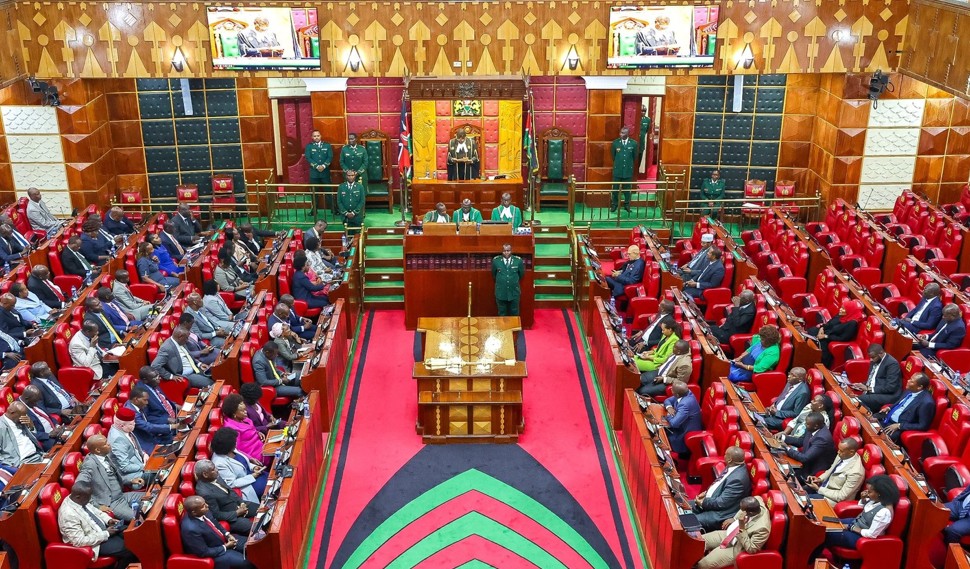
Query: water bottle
(343, 241)
(136, 508)
(6, 267)
(623, 331)
(613, 303)
(847, 566)
(73, 293)
(844, 378)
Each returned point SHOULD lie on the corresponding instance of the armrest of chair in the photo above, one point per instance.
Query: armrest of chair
(760, 560)
(913, 442)
(700, 443)
(848, 509)
(189, 562)
(65, 555)
(885, 551)
(935, 468)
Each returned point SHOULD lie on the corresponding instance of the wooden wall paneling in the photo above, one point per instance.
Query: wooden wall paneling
(935, 50)
(11, 64)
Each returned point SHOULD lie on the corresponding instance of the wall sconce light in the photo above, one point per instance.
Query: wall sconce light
(354, 60)
(178, 60)
(572, 58)
(746, 59)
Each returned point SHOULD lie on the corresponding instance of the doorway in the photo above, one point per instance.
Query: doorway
(635, 109)
(294, 119)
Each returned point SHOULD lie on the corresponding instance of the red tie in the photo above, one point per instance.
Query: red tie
(730, 537)
(44, 415)
(57, 291)
(165, 403)
(222, 536)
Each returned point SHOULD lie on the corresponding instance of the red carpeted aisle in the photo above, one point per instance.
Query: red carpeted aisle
(552, 500)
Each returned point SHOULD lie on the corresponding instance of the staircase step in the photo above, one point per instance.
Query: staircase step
(560, 288)
(384, 251)
(390, 302)
(378, 275)
(383, 289)
(384, 264)
(385, 232)
(553, 275)
(554, 300)
(553, 251)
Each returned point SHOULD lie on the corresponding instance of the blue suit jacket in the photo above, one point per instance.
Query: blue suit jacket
(150, 433)
(155, 412)
(303, 289)
(10, 251)
(816, 452)
(123, 227)
(946, 337)
(112, 315)
(956, 505)
(92, 248)
(918, 416)
(632, 272)
(711, 276)
(930, 317)
(198, 538)
(166, 263)
(686, 419)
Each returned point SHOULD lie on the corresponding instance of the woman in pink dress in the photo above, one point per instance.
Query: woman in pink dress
(250, 440)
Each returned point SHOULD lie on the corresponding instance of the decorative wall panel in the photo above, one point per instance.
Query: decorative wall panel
(39, 148)
(897, 113)
(892, 142)
(36, 157)
(40, 176)
(29, 120)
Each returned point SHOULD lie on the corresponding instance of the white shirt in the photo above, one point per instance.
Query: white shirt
(65, 403)
(717, 483)
(784, 397)
(25, 446)
(188, 364)
(922, 308)
(880, 523)
(441, 218)
(871, 382)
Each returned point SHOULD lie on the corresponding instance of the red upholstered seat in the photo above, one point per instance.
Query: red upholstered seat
(707, 447)
(881, 552)
(76, 380)
(769, 557)
(872, 460)
(172, 534)
(56, 552)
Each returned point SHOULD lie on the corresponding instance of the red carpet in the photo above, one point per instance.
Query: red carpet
(552, 500)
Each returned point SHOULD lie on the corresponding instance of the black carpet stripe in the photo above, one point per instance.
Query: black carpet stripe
(594, 426)
(345, 447)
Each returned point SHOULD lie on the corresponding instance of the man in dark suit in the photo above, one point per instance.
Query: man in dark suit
(117, 223)
(148, 432)
(884, 383)
(303, 288)
(700, 259)
(56, 399)
(710, 277)
(739, 319)
(72, 261)
(11, 251)
(108, 335)
(925, 315)
(47, 430)
(39, 282)
(816, 450)
(949, 334)
(175, 249)
(11, 322)
(631, 274)
(722, 498)
(203, 537)
(186, 227)
(160, 408)
(251, 239)
(224, 504)
(683, 417)
(650, 336)
(790, 402)
(266, 372)
(95, 247)
(304, 327)
(959, 526)
(914, 412)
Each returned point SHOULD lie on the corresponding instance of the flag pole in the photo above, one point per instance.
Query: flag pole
(404, 152)
(533, 151)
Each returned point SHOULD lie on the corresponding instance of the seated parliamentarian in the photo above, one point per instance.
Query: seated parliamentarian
(466, 213)
(216, 309)
(228, 278)
(148, 268)
(72, 261)
(174, 361)
(199, 351)
(241, 472)
(250, 441)
(202, 536)
(678, 367)
(747, 532)
(108, 335)
(39, 282)
(11, 350)
(630, 274)
(204, 328)
(304, 327)
(708, 277)
(167, 236)
(723, 497)
(160, 408)
(508, 212)
(126, 451)
(46, 429)
(762, 355)
(959, 526)
(700, 259)
(11, 250)
(224, 504)
(318, 229)
(815, 450)
(683, 417)
(949, 334)
(317, 259)
(39, 215)
(651, 360)
(843, 479)
(83, 524)
(95, 247)
(650, 336)
(914, 412)
(790, 401)
(262, 419)
(266, 371)
(137, 307)
(12, 323)
(18, 445)
(166, 262)
(57, 401)
(926, 314)
(438, 215)
(117, 223)
(740, 317)
(252, 238)
(187, 229)
(85, 352)
(842, 328)
(287, 342)
(149, 430)
(879, 499)
(884, 383)
(821, 403)
(107, 486)
(29, 306)
(304, 289)
(121, 319)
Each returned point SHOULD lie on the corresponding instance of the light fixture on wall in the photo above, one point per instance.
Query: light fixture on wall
(746, 59)
(178, 60)
(354, 60)
(572, 58)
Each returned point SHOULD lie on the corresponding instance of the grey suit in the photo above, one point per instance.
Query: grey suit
(215, 310)
(725, 500)
(107, 488)
(168, 363)
(205, 329)
(9, 450)
(236, 476)
(263, 373)
(127, 454)
(138, 307)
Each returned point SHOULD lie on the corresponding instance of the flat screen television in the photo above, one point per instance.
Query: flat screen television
(245, 38)
(666, 36)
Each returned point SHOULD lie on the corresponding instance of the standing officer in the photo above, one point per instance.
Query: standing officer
(354, 157)
(350, 202)
(624, 153)
(319, 155)
(508, 270)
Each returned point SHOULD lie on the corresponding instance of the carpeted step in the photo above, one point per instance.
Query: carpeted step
(384, 288)
(384, 252)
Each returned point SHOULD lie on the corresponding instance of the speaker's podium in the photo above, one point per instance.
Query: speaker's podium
(469, 384)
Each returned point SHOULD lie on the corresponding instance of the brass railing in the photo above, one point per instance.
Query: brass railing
(590, 201)
(240, 207)
(297, 204)
(684, 211)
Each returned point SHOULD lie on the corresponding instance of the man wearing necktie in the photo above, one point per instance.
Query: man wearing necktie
(716, 504)
(10, 250)
(959, 526)
(748, 531)
(925, 315)
(83, 525)
(319, 155)
(203, 537)
(350, 202)
(16, 236)
(914, 412)
(508, 270)
(72, 261)
(57, 401)
(125, 448)
(39, 282)
(108, 335)
(17, 444)
(224, 504)
(624, 152)
(843, 479)
(948, 335)
(884, 384)
(46, 428)
(12, 323)
(107, 486)
(11, 350)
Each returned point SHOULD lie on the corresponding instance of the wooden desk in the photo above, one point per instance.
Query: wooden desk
(897, 344)
(589, 282)
(226, 366)
(484, 194)
(612, 374)
(715, 363)
(805, 353)
(270, 272)
(351, 290)
(668, 278)
(437, 270)
(469, 385)
(136, 355)
(744, 268)
(957, 557)
(327, 377)
(818, 257)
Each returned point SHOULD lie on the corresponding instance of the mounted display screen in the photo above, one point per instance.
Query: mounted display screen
(642, 36)
(264, 38)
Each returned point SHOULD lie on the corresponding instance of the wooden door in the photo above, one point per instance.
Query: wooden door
(296, 126)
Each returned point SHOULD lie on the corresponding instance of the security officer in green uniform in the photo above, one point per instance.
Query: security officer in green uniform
(350, 202)
(712, 190)
(319, 155)
(353, 156)
(624, 153)
(508, 270)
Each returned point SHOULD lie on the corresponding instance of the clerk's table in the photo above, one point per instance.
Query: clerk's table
(469, 384)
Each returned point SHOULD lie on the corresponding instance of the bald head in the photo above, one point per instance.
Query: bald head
(97, 444)
(734, 456)
(746, 297)
(931, 290)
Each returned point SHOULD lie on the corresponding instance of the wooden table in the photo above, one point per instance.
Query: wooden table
(226, 366)
(715, 362)
(484, 194)
(897, 344)
(744, 268)
(351, 289)
(326, 377)
(613, 375)
(438, 270)
(957, 557)
(818, 257)
(657, 250)
(805, 353)
(136, 355)
(469, 384)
